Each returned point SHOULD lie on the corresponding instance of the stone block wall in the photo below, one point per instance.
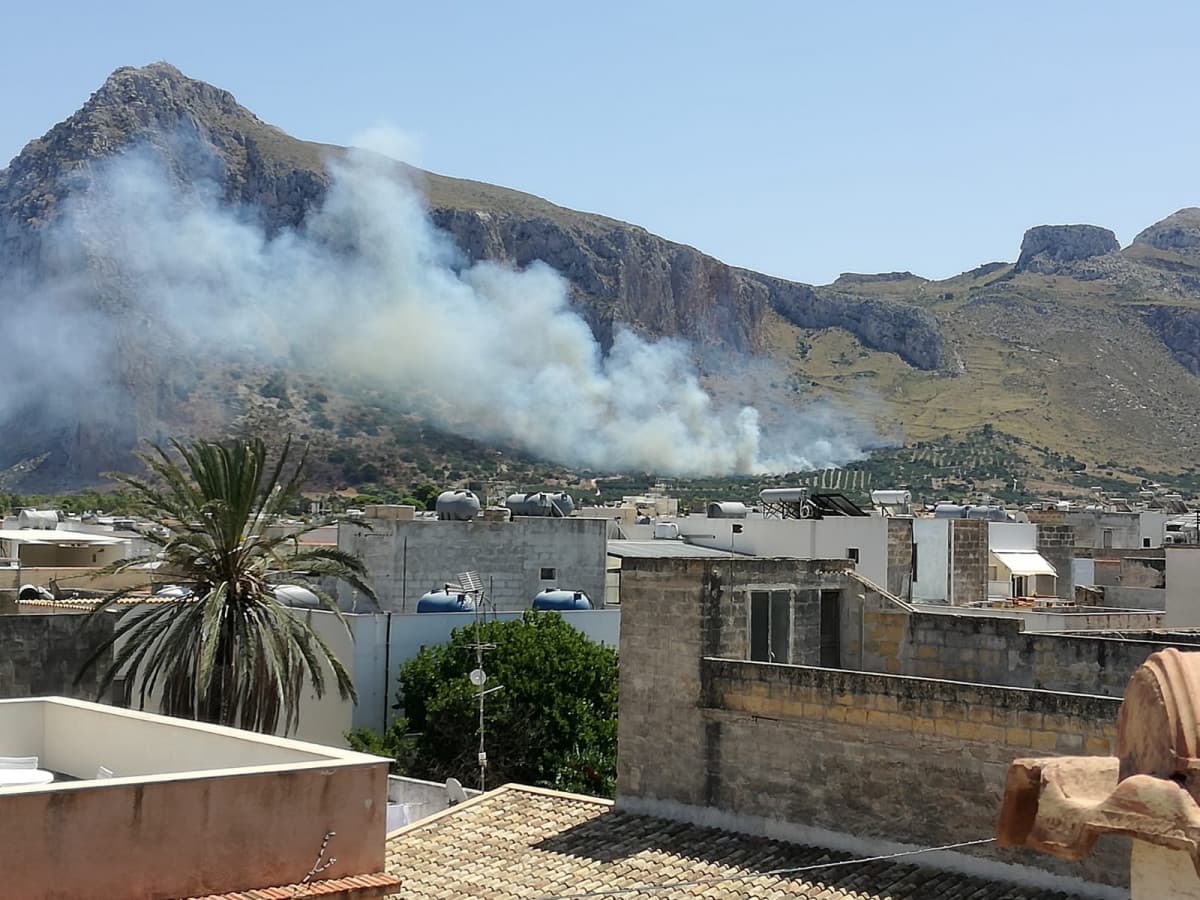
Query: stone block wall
(904, 759)
(968, 561)
(40, 655)
(996, 651)
(797, 750)
(900, 557)
(1056, 543)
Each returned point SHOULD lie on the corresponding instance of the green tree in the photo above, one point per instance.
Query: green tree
(552, 723)
(232, 653)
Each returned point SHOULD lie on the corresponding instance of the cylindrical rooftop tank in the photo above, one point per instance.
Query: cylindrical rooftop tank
(891, 498)
(457, 506)
(441, 602)
(295, 595)
(991, 513)
(40, 519)
(552, 598)
(727, 510)
(541, 503)
(949, 511)
(174, 591)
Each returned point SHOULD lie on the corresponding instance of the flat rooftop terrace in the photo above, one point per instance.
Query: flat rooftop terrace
(185, 803)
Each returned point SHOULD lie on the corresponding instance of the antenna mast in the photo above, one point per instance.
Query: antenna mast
(471, 583)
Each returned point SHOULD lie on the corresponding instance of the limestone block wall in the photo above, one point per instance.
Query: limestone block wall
(903, 759)
(996, 651)
(40, 655)
(968, 561)
(1056, 543)
(900, 557)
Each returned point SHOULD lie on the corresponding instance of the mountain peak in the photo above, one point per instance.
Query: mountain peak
(1045, 246)
(1178, 232)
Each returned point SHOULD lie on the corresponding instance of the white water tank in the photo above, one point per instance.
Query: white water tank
(38, 519)
(666, 531)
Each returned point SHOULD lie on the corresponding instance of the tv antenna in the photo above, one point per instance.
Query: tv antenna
(471, 583)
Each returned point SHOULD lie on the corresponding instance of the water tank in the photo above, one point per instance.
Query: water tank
(949, 511)
(991, 513)
(540, 503)
(891, 498)
(666, 531)
(40, 519)
(441, 602)
(552, 598)
(174, 591)
(457, 506)
(727, 510)
(295, 595)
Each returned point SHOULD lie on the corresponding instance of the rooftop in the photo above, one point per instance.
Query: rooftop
(662, 548)
(538, 844)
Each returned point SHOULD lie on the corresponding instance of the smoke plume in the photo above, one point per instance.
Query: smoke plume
(369, 287)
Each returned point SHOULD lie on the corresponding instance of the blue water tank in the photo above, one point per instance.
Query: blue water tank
(442, 602)
(552, 598)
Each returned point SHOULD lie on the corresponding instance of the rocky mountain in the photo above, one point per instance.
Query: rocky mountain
(1080, 344)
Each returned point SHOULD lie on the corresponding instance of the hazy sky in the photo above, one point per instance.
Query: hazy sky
(799, 139)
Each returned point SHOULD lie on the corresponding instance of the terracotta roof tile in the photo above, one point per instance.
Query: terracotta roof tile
(533, 844)
(353, 887)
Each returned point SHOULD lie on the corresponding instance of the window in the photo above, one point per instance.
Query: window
(831, 629)
(852, 554)
(549, 573)
(770, 626)
(1145, 542)
(914, 560)
(1107, 539)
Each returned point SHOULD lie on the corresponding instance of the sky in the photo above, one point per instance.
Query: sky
(799, 139)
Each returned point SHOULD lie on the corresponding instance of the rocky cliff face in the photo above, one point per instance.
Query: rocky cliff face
(618, 273)
(1045, 247)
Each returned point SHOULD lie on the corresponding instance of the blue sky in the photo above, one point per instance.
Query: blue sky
(799, 139)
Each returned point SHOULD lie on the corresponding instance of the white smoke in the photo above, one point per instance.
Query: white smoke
(370, 287)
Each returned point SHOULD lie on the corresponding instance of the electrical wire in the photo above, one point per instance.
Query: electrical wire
(749, 876)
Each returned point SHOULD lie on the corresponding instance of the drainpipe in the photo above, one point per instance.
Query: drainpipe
(387, 668)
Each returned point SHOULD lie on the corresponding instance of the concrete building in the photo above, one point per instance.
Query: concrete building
(880, 547)
(1182, 576)
(779, 716)
(951, 561)
(97, 803)
(870, 687)
(1016, 568)
(1100, 529)
(515, 559)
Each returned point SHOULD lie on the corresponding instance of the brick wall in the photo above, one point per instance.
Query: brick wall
(1057, 544)
(968, 561)
(40, 655)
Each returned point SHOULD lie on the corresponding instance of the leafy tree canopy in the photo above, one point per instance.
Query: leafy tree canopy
(553, 722)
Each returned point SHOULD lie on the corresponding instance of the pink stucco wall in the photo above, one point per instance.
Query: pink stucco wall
(191, 837)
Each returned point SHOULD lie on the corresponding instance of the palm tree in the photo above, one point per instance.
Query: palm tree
(231, 652)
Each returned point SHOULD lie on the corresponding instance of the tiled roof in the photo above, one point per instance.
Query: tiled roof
(352, 887)
(534, 844)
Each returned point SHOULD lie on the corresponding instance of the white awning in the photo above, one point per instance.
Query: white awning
(1024, 562)
(58, 537)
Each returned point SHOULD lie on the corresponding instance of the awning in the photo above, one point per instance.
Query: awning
(1024, 562)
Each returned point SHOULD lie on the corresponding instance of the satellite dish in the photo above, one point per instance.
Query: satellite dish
(454, 792)
(478, 677)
